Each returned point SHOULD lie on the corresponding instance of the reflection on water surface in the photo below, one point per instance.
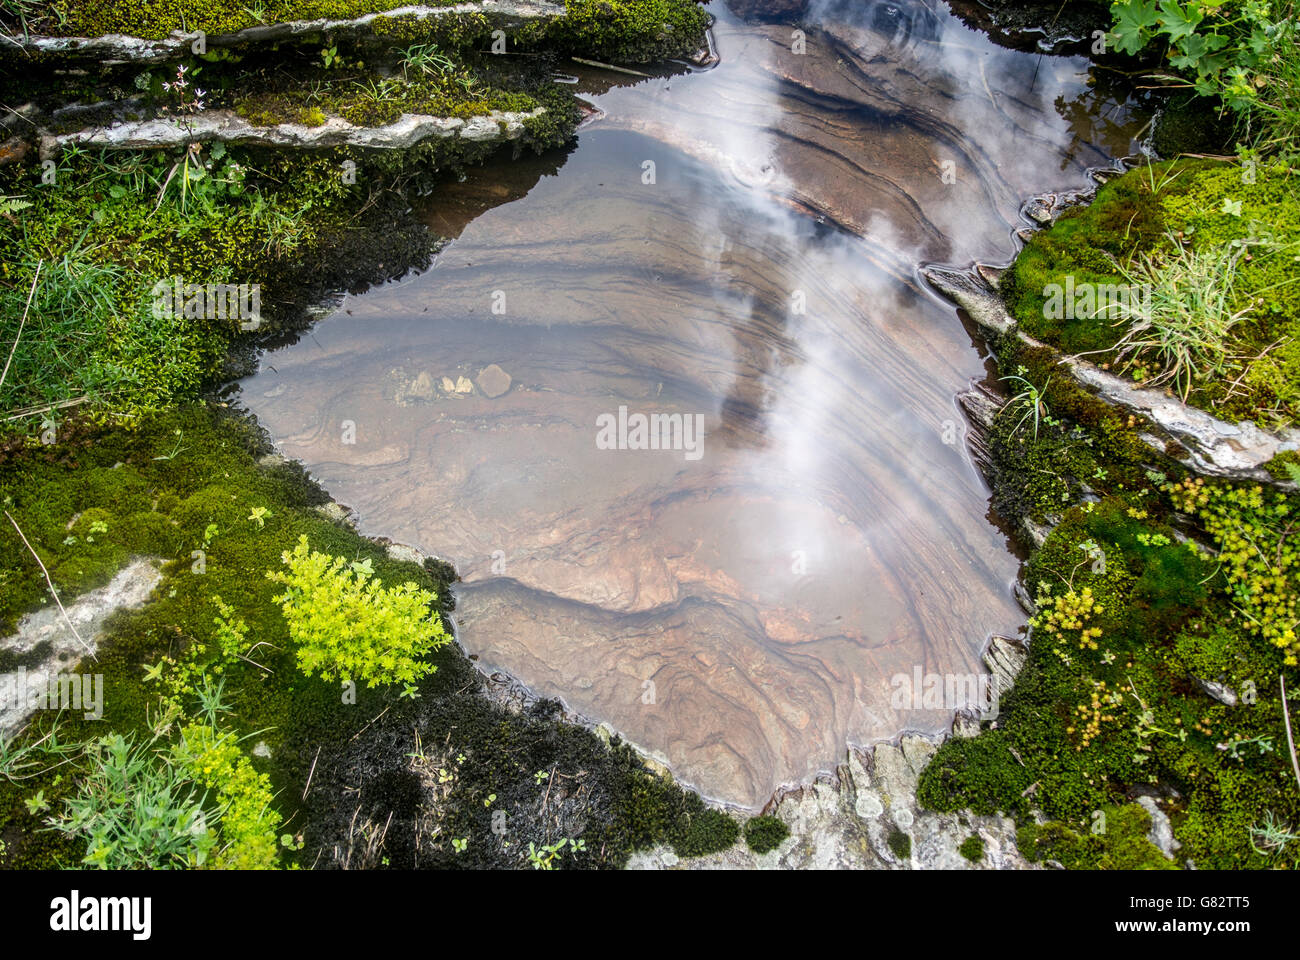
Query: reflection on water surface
(737, 245)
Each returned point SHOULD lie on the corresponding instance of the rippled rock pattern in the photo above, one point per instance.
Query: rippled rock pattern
(738, 248)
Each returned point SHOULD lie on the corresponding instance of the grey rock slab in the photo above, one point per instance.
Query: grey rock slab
(227, 126)
(1161, 832)
(129, 588)
(844, 821)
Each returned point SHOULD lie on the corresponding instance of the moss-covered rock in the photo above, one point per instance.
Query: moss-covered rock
(972, 848)
(623, 31)
(1251, 212)
(764, 834)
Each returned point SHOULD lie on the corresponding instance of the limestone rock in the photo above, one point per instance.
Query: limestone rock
(1214, 447)
(421, 387)
(228, 127)
(1212, 688)
(336, 513)
(121, 47)
(1161, 832)
(129, 588)
(405, 552)
(845, 821)
(1005, 658)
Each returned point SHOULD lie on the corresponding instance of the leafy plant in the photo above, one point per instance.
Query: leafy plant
(11, 205)
(22, 758)
(1259, 558)
(137, 809)
(545, 857)
(243, 796)
(191, 674)
(157, 804)
(349, 627)
(1244, 52)
(424, 58)
(1269, 836)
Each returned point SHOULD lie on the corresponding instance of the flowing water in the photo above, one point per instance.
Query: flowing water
(736, 248)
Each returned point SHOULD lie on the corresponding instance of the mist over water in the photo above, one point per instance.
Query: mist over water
(737, 601)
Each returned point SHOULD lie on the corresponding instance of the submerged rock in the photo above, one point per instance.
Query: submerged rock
(422, 387)
(493, 381)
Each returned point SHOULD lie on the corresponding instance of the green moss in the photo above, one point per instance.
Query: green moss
(105, 241)
(1113, 695)
(900, 844)
(763, 834)
(1284, 464)
(1082, 444)
(1135, 626)
(703, 831)
(156, 19)
(289, 222)
(979, 773)
(972, 848)
(623, 31)
(1116, 839)
(451, 31)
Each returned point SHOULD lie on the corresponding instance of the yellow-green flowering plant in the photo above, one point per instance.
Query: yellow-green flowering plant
(347, 626)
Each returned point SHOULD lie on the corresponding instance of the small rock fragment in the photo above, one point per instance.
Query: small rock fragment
(493, 381)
